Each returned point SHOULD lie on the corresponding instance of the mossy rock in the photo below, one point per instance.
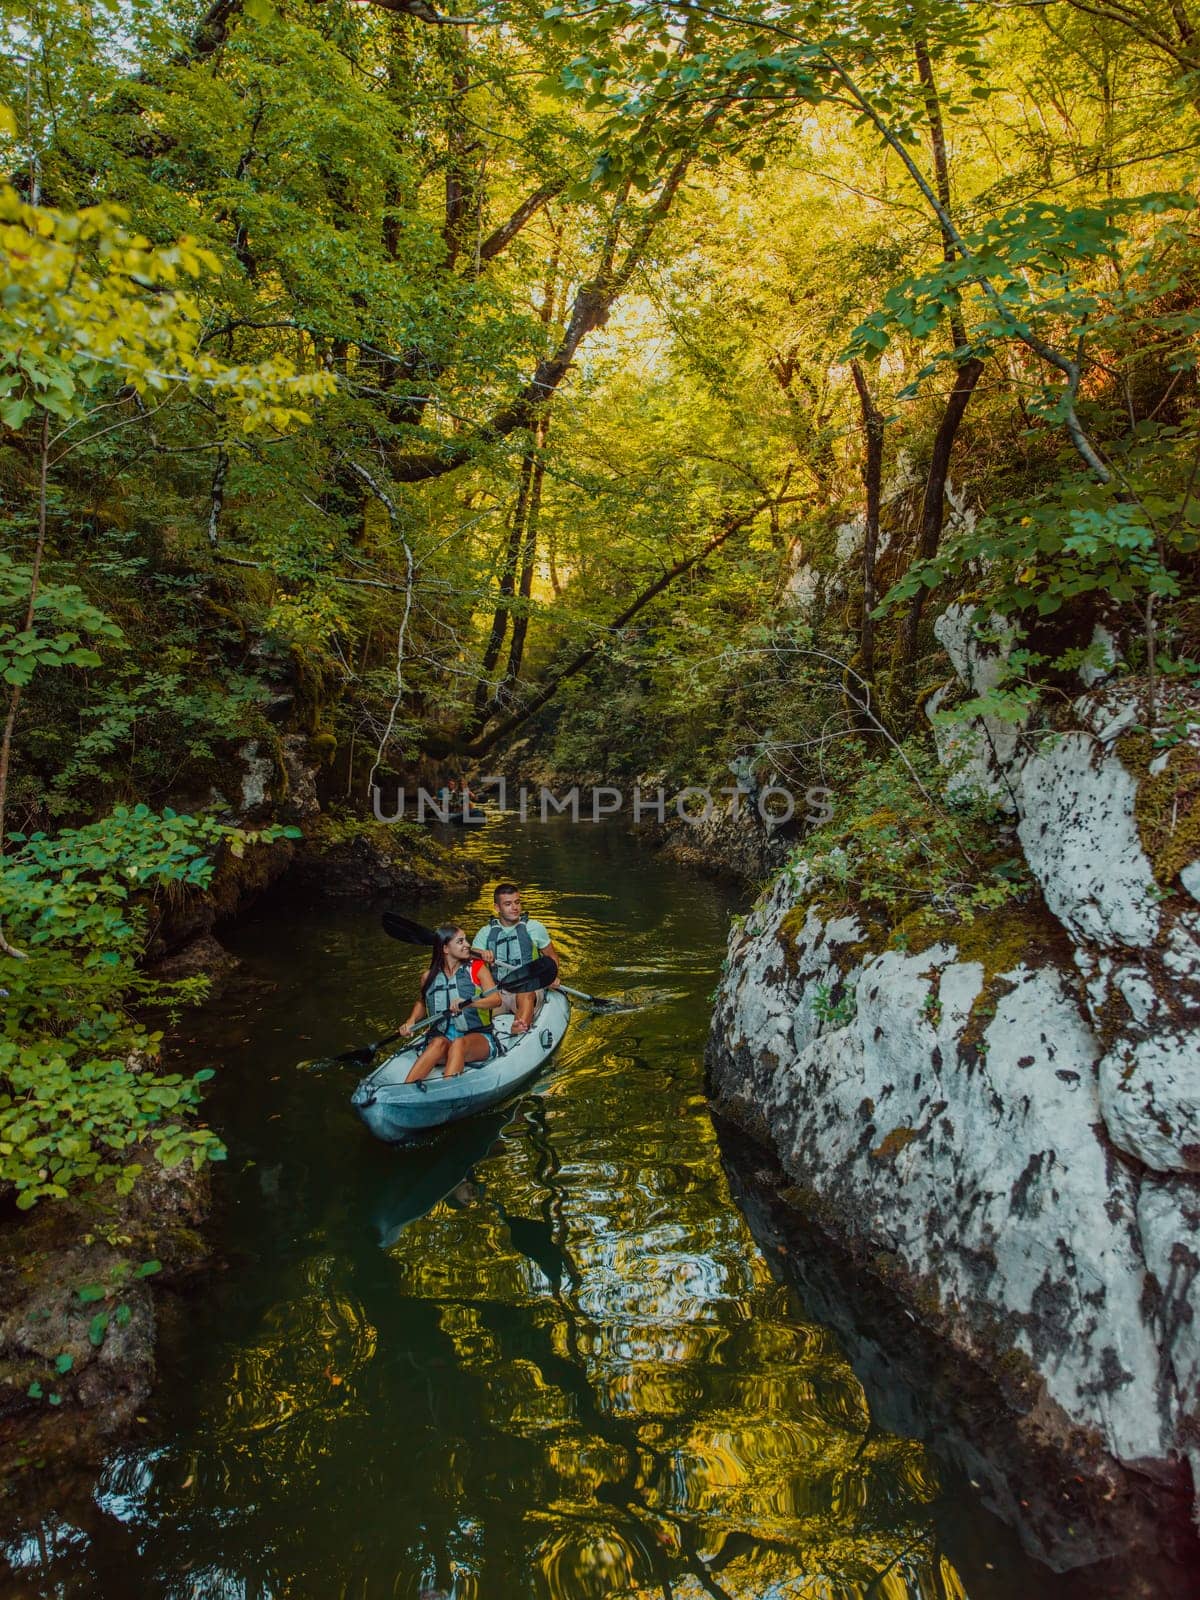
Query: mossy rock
(998, 939)
(347, 855)
(1167, 810)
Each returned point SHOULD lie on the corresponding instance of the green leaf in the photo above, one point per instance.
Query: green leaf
(97, 1328)
(15, 413)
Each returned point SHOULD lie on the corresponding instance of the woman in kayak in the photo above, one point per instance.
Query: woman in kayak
(454, 982)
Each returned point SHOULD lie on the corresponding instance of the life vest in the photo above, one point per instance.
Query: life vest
(511, 946)
(466, 984)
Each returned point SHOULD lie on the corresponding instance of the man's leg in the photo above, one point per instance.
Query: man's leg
(525, 1005)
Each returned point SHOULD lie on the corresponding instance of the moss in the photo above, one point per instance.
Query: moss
(1167, 808)
(998, 939)
(926, 1297)
(846, 957)
(350, 854)
(398, 841)
(1014, 1363)
(899, 1139)
(791, 928)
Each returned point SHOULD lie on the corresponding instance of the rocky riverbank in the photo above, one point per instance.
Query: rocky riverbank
(84, 1285)
(1005, 1119)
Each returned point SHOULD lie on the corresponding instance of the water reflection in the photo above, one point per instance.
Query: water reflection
(540, 1359)
(681, 1431)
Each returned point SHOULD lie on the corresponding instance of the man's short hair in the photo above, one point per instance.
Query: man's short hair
(504, 888)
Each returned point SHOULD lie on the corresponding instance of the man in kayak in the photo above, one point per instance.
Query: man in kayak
(512, 939)
(455, 982)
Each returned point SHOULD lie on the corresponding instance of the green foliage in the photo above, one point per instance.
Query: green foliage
(1038, 556)
(82, 299)
(79, 1091)
(64, 607)
(896, 847)
(1032, 268)
(833, 1008)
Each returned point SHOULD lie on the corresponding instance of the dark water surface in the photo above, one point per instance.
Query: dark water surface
(539, 1359)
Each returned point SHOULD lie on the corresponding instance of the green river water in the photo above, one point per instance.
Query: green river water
(541, 1358)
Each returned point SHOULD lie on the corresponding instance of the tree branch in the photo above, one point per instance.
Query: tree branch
(507, 232)
(728, 528)
(590, 308)
(422, 11)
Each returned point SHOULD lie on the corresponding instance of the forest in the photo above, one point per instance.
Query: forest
(643, 378)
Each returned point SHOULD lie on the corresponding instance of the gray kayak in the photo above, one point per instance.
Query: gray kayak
(395, 1110)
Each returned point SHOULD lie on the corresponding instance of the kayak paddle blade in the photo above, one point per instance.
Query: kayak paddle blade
(361, 1057)
(365, 1054)
(398, 927)
(539, 974)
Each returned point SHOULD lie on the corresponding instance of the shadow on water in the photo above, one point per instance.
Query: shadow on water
(539, 1358)
(1140, 1546)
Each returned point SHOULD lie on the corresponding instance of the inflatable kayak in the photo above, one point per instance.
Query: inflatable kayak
(395, 1110)
(473, 819)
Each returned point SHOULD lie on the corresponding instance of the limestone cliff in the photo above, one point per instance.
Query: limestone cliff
(1009, 1118)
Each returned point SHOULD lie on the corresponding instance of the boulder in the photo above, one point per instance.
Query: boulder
(1011, 1116)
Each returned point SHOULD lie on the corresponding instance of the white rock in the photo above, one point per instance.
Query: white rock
(850, 538)
(1138, 993)
(1121, 723)
(1169, 1224)
(981, 755)
(802, 587)
(1150, 1100)
(975, 1166)
(1091, 675)
(981, 1152)
(257, 773)
(1079, 835)
(981, 1167)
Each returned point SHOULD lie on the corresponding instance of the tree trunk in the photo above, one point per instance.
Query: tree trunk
(521, 551)
(520, 625)
(508, 583)
(872, 419)
(933, 511)
(941, 167)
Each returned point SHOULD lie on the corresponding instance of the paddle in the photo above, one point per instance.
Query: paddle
(414, 933)
(536, 975)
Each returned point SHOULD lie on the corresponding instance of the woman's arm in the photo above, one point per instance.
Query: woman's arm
(487, 1002)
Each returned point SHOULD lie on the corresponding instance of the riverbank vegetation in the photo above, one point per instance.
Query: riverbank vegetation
(644, 378)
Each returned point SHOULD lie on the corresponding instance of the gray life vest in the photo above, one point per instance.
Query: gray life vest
(443, 991)
(512, 947)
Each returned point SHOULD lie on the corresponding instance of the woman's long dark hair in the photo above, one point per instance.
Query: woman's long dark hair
(437, 960)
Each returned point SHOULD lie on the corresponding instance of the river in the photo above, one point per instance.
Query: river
(541, 1358)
